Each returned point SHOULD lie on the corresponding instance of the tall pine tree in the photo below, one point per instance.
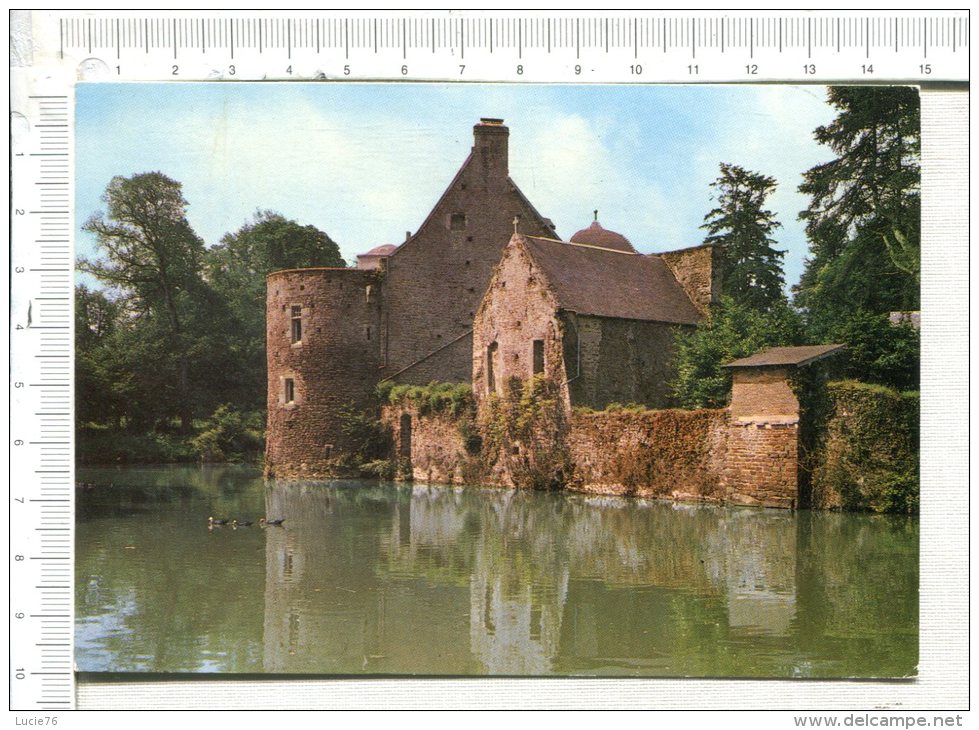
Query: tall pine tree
(863, 218)
(742, 228)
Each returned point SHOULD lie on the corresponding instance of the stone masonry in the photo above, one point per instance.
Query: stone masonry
(330, 366)
(748, 453)
(405, 315)
(435, 280)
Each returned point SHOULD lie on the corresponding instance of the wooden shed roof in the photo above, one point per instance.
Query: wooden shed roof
(784, 356)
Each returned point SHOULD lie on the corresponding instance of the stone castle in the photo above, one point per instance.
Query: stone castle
(484, 290)
(486, 293)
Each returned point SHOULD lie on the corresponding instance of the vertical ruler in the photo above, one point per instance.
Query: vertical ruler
(41, 518)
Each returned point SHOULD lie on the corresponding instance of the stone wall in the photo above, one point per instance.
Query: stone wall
(700, 455)
(431, 445)
(763, 394)
(670, 453)
(620, 360)
(436, 279)
(761, 464)
(334, 365)
(517, 309)
(698, 273)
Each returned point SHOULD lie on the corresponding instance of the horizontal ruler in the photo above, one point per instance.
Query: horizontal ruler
(489, 46)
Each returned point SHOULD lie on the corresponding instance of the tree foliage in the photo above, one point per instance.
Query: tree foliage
(100, 391)
(741, 228)
(236, 268)
(863, 219)
(151, 258)
(732, 330)
(178, 333)
(149, 251)
(878, 351)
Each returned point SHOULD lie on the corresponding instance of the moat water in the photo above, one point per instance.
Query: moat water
(366, 578)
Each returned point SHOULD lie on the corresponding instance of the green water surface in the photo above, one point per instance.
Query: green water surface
(367, 578)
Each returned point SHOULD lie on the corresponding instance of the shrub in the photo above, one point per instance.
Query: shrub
(452, 398)
(868, 459)
(878, 351)
(625, 408)
(118, 446)
(368, 439)
(385, 469)
(229, 435)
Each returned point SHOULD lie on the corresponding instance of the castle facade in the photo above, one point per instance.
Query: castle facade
(484, 290)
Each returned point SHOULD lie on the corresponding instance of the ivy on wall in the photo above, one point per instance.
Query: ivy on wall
(524, 433)
(868, 458)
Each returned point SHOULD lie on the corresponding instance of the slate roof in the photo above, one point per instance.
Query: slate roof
(607, 283)
(781, 356)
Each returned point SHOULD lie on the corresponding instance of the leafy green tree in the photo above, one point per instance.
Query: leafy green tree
(152, 258)
(741, 228)
(236, 268)
(99, 392)
(229, 435)
(733, 330)
(863, 219)
(878, 351)
(150, 252)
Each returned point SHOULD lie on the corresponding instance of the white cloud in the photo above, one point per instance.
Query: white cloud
(575, 165)
(366, 163)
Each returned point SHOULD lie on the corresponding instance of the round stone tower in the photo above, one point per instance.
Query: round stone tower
(323, 343)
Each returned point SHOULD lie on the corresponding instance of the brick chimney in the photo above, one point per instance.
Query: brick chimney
(490, 144)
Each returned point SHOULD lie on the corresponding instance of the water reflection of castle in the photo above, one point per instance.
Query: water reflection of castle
(462, 581)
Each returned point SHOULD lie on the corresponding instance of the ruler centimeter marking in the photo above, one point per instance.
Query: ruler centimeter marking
(41, 486)
(792, 46)
(808, 47)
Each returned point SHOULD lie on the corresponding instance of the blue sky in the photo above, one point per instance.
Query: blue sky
(366, 162)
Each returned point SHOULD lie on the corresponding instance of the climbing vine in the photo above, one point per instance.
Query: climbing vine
(524, 432)
(868, 458)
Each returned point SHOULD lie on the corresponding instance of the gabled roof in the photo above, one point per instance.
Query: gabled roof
(541, 220)
(607, 283)
(782, 356)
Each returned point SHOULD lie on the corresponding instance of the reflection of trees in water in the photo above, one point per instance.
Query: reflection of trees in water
(159, 594)
(221, 490)
(439, 579)
(858, 577)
